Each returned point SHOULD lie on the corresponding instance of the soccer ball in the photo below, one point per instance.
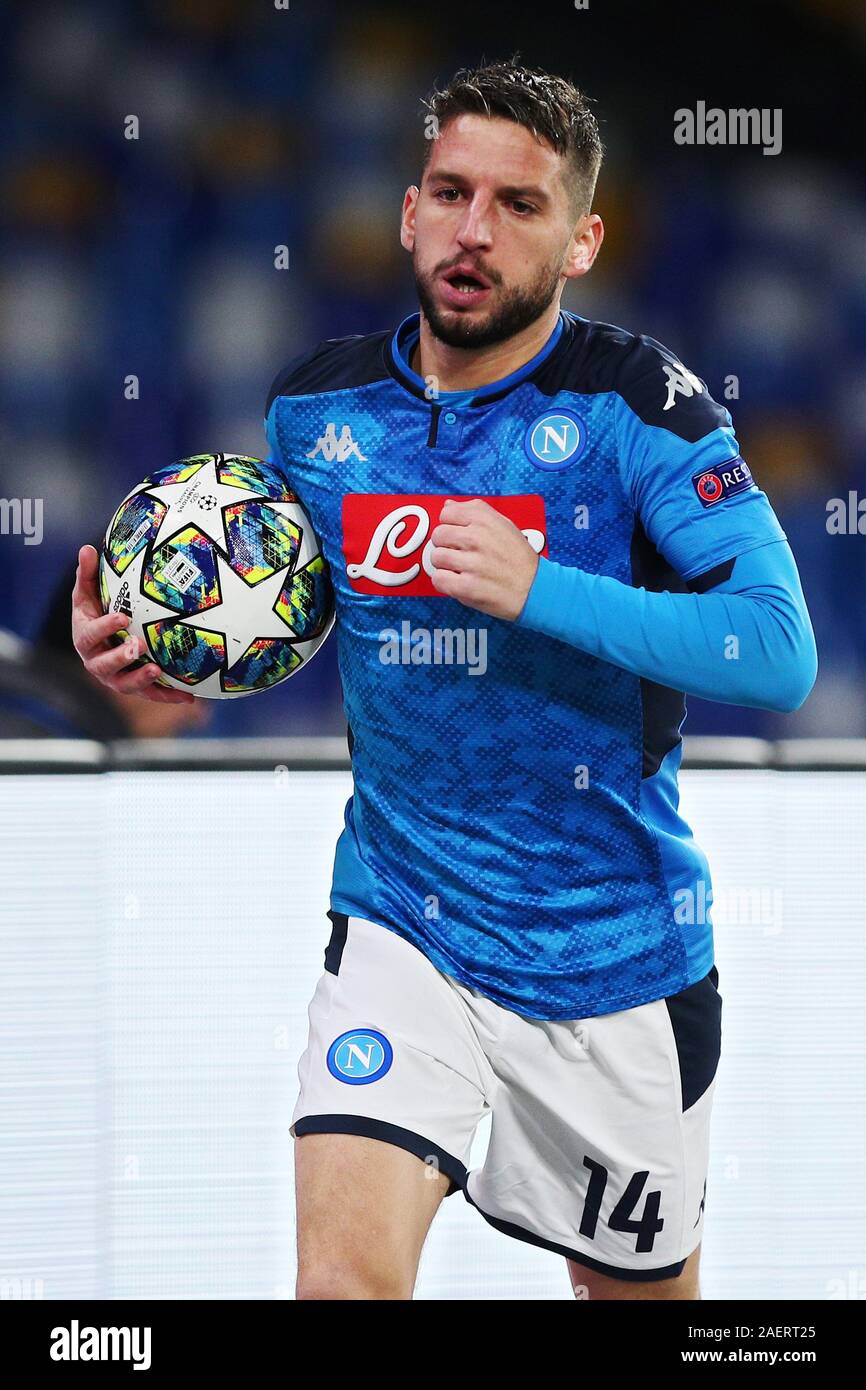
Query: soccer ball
(215, 563)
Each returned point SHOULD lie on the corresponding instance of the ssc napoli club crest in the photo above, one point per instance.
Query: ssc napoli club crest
(723, 481)
(555, 440)
(360, 1056)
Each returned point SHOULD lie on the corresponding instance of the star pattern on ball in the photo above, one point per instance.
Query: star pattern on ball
(256, 604)
(205, 487)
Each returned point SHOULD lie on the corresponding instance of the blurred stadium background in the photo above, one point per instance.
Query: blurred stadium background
(301, 127)
(152, 1009)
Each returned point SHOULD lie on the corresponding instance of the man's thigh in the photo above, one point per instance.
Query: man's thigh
(364, 1208)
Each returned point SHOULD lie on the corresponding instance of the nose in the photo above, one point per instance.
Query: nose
(476, 230)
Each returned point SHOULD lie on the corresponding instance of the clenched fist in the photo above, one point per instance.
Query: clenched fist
(482, 559)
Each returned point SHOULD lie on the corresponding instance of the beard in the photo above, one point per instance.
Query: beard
(517, 309)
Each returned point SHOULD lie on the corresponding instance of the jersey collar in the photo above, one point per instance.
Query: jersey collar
(399, 349)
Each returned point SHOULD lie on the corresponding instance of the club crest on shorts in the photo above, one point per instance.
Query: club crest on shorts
(555, 440)
(360, 1056)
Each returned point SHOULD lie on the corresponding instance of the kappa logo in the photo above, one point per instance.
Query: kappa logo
(682, 381)
(703, 1203)
(360, 1056)
(386, 537)
(335, 449)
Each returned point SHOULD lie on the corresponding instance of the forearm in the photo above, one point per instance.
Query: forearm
(748, 642)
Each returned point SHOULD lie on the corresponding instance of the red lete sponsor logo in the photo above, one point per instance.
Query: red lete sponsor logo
(386, 537)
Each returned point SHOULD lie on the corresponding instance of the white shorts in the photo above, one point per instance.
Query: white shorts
(599, 1141)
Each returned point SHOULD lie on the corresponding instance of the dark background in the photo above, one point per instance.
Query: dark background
(261, 127)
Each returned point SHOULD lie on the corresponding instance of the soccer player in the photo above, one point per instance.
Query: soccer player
(541, 534)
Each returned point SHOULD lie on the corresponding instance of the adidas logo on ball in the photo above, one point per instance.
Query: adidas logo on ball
(121, 603)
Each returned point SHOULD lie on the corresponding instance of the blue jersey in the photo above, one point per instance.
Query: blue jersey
(515, 808)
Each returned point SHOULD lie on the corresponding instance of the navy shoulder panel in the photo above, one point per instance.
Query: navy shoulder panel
(337, 364)
(596, 357)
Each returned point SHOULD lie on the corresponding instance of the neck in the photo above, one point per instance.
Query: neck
(461, 369)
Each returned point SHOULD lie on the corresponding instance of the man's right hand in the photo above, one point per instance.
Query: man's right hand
(91, 629)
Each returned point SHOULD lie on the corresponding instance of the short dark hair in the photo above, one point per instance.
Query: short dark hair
(551, 107)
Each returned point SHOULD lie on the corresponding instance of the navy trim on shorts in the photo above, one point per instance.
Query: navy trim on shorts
(389, 1134)
(336, 942)
(696, 1020)
(633, 1275)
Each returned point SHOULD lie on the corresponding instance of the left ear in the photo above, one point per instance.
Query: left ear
(407, 218)
(585, 245)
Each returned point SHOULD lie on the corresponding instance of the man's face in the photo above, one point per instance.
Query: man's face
(491, 231)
